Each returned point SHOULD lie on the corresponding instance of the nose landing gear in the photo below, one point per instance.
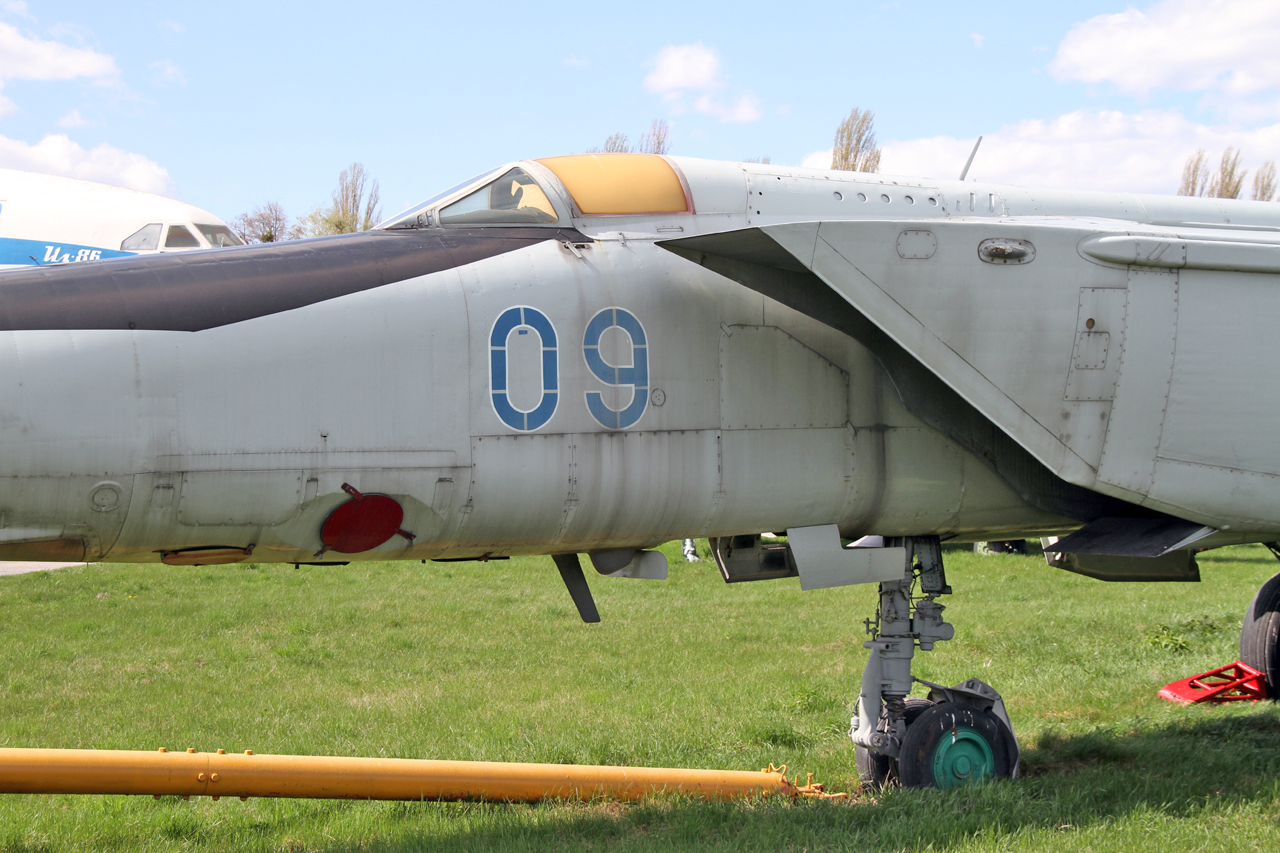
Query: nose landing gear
(957, 735)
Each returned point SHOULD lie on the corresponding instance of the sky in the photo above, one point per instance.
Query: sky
(234, 104)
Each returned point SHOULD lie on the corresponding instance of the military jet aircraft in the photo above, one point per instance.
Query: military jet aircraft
(600, 353)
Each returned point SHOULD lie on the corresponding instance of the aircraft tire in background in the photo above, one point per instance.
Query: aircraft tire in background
(876, 770)
(1260, 635)
(1010, 546)
(953, 744)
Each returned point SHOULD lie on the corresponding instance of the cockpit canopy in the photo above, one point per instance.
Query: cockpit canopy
(595, 184)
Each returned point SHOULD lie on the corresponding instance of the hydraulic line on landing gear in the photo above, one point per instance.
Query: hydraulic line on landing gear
(220, 774)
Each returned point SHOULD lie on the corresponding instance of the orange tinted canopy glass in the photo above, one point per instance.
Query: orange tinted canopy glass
(604, 184)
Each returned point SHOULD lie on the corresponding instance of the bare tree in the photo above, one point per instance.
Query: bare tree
(855, 149)
(615, 144)
(1230, 178)
(355, 207)
(1264, 182)
(268, 223)
(654, 141)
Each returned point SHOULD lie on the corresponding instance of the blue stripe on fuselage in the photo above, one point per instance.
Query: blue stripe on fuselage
(41, 252)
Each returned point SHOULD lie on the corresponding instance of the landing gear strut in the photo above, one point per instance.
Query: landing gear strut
(958, 734)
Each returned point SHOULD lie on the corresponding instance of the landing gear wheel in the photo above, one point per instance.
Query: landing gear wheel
(876, 770)
(1260, 635)
(952, 744)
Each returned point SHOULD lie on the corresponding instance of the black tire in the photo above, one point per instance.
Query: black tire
(1010, 546)
(876, 770)
(1260, 635)
(953, 744)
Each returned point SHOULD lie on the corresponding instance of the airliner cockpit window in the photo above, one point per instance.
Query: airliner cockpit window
(219, 235)
(145, 239)
(513, 199)
(180, 238)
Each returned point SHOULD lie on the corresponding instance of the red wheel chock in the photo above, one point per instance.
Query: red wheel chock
(1235, 682)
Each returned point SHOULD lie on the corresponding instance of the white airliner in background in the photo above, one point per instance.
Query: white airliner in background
(47, 219)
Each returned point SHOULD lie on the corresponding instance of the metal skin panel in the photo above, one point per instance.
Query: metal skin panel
(43, 508)
(227, 498)
(779, 194)
(1219, 413)
(75, 394)
(799, 476)
(660, 482)
(769, 380)
(1142, 395)
(1095, 359)
(718, 189)
(366, 373)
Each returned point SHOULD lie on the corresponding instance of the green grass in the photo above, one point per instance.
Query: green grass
(489, 661)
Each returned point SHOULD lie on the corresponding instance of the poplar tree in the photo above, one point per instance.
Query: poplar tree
(855, 147)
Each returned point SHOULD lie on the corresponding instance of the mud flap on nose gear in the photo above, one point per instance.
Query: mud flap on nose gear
(822, 562)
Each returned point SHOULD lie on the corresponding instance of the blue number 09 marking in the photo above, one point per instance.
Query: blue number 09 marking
(508, 321)
(636, 376)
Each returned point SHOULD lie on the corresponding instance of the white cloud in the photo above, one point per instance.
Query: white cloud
(746, 108)
(16, 7)
(22, 58)
(173, 27)
(73, 119)
(575, 62)
(165, 71)
(684, 66)
(694, 70)
(978, 39)
(1104, 150)
(818, 159)
(58, 155)
(1193, 45)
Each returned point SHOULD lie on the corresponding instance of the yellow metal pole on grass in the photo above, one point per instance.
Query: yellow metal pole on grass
(218, 774)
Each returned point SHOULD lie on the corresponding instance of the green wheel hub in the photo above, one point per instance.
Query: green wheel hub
(963, 756)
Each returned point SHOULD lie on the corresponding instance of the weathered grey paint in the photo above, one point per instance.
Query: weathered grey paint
(867, 389)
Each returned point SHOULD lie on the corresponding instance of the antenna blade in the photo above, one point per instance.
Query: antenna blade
(969, 162)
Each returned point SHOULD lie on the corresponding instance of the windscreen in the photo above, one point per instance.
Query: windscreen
(513, 199)
(414, 217)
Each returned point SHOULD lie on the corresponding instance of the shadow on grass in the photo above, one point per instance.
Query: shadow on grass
(1263, 558)
(1226, 763)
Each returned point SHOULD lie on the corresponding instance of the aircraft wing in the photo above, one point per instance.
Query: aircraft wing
(1129, 360)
